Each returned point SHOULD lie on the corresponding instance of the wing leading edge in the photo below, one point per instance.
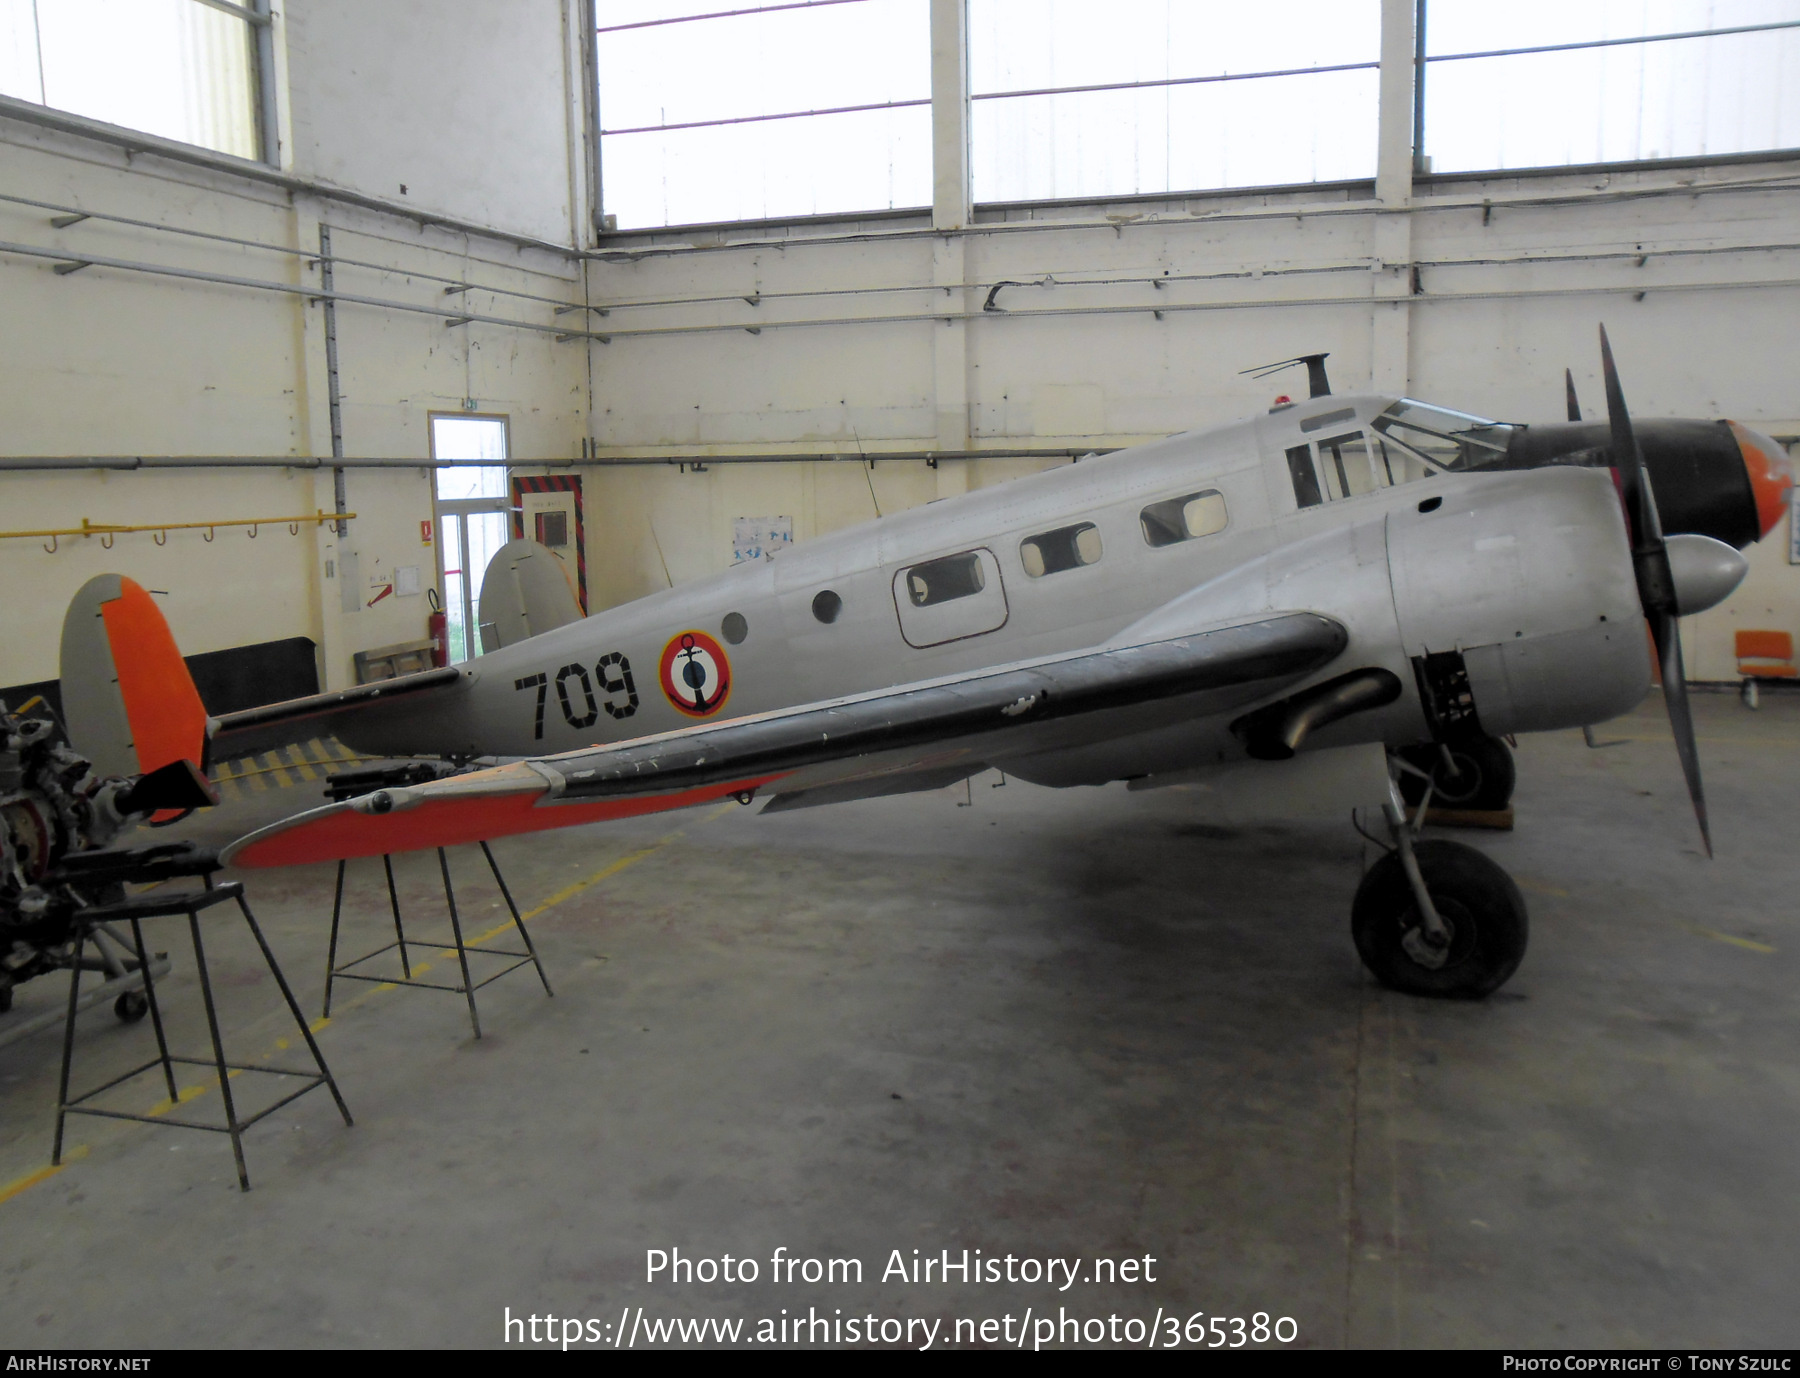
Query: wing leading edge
(928, 727)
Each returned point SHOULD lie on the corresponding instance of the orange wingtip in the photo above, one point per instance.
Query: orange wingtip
(168, 721)
(338, 832)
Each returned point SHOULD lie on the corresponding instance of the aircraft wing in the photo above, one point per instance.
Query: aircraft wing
(932, 728)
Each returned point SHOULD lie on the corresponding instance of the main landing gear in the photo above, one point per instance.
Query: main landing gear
(1437, 918)
(1476, 774)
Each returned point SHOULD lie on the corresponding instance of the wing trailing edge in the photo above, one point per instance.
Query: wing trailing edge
(932, 727)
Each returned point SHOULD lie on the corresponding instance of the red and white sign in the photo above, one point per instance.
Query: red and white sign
(695, 674)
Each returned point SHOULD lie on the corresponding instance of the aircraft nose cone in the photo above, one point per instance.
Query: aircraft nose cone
(1706, 572)
(1771, 474)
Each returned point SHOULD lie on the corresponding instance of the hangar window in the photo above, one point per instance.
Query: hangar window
(748, 111)
(1119, 97)
(196, 72)
(1676, 79)
(1068, 547)
(1182, 519)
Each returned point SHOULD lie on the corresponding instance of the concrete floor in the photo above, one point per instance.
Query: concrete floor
(1053, 1025)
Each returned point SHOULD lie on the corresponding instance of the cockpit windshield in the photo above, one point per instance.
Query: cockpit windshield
(1445, 440)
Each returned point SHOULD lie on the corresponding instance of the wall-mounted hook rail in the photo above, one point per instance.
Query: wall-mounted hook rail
(108, 531)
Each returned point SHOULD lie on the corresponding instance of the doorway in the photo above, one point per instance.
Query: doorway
(547, 509)
(471, 502)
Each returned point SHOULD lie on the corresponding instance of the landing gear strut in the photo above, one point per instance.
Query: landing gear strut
(1474, 774)
(1437, 918)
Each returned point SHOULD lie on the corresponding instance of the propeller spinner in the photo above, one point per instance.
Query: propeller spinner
(1675, 575)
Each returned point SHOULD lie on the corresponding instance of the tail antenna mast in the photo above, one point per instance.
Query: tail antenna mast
(1316, 380)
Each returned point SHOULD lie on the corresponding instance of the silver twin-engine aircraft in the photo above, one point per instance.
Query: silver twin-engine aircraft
(1351, 569)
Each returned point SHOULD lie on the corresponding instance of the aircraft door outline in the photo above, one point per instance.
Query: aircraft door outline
(950, 598)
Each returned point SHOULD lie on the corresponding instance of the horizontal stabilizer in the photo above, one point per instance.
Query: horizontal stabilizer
(335, 701)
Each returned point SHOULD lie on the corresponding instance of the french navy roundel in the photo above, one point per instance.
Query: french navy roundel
(695, 674)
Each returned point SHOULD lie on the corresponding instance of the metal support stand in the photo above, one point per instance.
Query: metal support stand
(467, 986)
(134, 911)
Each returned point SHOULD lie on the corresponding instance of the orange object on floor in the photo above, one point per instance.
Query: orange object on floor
(1766, 655)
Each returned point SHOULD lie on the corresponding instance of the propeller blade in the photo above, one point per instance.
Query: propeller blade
(1646, 526)
(1681, 720)
(1655, 580)
(1569, 391)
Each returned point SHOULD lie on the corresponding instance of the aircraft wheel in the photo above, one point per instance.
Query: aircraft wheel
(1477, 901)
(132, 1006)
(1483, 778)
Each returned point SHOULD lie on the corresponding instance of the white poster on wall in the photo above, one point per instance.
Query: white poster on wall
(754, 537)
(1794, 526)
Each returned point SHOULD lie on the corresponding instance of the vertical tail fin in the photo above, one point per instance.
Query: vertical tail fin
(129, 703)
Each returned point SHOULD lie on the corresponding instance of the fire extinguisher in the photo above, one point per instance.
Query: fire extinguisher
(437, 627)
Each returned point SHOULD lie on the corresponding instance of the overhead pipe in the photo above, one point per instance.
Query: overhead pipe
(80, 463)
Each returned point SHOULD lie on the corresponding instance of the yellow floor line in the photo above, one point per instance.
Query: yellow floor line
(188, 1093)
(30, 1179)
(1727, 938)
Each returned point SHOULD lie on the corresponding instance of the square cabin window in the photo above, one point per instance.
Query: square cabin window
(1068, 547)
(941, 581)
(1182, 519)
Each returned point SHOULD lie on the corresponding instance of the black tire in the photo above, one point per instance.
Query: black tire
(1483, 779)
(132, 1006)
(5, 997)
(1476, 899)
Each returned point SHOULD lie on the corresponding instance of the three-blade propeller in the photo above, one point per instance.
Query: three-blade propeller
(1655, 579)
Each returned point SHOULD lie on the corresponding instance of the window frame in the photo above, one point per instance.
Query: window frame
(1422, 64)
(458, 510)
(265, 107)
(606, 222)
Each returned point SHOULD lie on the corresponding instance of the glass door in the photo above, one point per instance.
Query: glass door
(472, 518)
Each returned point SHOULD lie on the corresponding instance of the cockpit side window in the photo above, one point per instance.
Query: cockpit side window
(1306, 482)
(1349, 466)
(1444, 439)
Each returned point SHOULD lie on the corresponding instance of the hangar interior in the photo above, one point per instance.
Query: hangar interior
(348, 295)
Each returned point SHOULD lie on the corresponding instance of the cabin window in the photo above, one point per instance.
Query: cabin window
(1181, 519)
(1068, 547)
(941, 581)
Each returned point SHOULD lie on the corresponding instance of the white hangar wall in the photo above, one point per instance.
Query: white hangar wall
(113, 361)
(1694, 268)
